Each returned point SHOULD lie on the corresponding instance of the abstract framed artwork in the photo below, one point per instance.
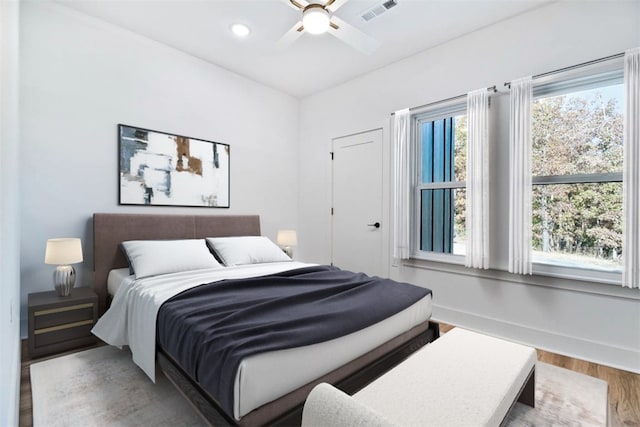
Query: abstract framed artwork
(163, 169)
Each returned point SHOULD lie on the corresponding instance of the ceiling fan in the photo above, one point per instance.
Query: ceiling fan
(319, 17)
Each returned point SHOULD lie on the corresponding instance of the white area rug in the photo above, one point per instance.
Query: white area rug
(563, 398)
(102, 387)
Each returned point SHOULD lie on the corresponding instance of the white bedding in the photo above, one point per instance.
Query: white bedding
(131, 318)
(131, 321)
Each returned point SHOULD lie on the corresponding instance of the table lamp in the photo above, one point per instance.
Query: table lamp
(286, 239)
(63, 252)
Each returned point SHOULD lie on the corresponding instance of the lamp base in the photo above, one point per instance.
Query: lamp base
(64, 277)
(288, 250)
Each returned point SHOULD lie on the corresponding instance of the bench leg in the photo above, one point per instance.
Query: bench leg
(528, 393)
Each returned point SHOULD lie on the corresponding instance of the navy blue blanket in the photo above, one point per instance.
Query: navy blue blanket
(209, 329)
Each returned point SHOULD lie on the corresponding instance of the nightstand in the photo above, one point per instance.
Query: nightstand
(61, 323)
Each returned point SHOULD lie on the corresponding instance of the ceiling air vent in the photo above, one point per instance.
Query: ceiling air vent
(378, 10)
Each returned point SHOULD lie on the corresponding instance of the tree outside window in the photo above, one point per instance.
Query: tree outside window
(577, 160)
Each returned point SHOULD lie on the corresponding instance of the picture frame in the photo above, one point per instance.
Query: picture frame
(163, 169)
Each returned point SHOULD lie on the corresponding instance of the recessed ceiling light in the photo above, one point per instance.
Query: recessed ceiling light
(240, 30)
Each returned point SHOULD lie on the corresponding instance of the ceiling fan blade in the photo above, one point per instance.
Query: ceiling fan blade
(353, 37)
(291, 35)
(334, 5)
(297, 4)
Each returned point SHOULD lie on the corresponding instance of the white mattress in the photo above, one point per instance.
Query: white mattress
(268, 376)
(265, 377)
(116, 278)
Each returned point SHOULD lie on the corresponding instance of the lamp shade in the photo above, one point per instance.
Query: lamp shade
(315, 19)
(287, 238)
(63, 251)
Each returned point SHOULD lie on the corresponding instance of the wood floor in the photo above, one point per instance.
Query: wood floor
(623, 396)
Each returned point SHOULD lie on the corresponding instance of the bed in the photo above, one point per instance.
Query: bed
(264, 397)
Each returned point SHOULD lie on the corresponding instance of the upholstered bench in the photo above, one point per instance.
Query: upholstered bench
(461, 379)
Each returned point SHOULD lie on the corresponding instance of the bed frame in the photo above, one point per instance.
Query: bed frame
(109, 230)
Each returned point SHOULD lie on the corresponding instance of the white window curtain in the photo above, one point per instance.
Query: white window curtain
(520, 176)
(477, 215)
(631, 171)
(402, 184)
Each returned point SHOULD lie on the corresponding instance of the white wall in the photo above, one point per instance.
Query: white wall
(568, 317)
(81, 77)
(9, 216)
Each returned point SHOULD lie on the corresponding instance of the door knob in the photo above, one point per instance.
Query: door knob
(376, 225)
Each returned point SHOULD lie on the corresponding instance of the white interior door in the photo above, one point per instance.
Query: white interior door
(357, 203)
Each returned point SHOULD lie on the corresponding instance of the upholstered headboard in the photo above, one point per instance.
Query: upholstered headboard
(111, 229)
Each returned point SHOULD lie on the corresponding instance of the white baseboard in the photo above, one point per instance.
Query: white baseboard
(603, 354)
(16, 382)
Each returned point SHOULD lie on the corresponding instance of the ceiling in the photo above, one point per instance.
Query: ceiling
(314, 62)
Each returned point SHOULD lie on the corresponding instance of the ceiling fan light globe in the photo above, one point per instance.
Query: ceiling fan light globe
(315, 20)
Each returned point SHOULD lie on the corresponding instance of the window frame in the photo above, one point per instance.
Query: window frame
(562, 86)
(438, 112)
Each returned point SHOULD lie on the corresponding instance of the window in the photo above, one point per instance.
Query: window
(439, 197)
(577, 161)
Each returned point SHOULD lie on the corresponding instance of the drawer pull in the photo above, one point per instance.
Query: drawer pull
(62, 309)
(61, 327)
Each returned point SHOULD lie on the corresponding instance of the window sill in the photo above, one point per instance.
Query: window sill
(439, 257)
(576, 283)
(578, 273)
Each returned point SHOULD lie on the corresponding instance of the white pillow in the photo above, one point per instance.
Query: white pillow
(153, 257)
(246, 250)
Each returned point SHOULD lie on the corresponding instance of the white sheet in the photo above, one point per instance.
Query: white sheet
(118, 277)
(283, 370)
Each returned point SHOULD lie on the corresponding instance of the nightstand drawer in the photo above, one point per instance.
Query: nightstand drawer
(66, 332)
(62, 315)
(58, 324)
